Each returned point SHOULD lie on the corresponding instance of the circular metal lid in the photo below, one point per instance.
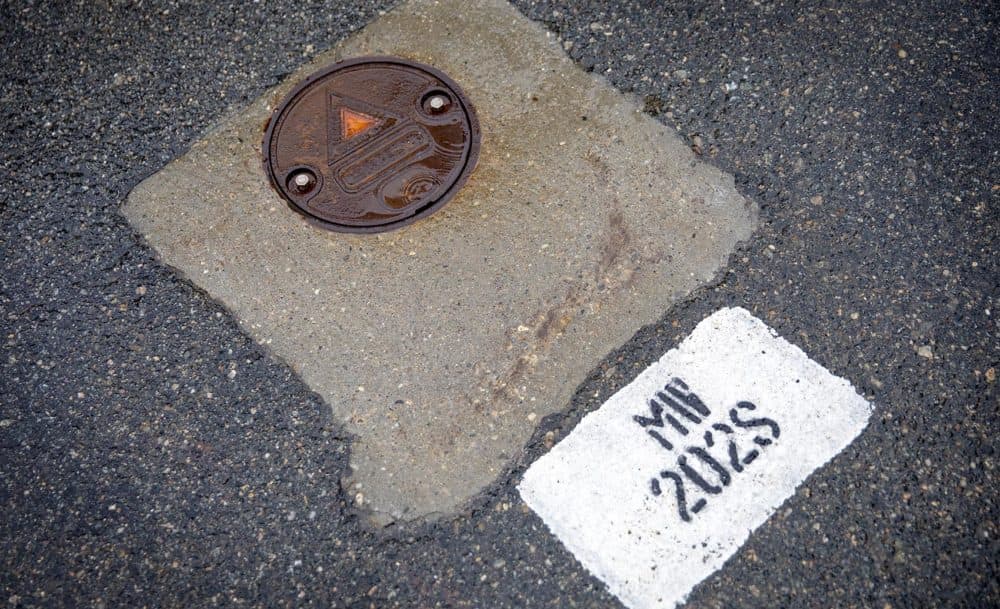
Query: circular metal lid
(371, 144)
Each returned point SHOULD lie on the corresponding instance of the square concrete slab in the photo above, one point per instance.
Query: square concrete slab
(442, 344)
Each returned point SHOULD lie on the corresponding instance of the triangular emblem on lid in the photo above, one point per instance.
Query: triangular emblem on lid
(352, 123)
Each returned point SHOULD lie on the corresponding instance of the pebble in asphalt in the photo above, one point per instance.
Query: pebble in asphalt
(155, 456)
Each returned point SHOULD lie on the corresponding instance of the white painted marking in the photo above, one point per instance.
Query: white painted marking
(774, 411)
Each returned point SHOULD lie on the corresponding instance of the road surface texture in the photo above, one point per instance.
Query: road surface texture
(154, 456)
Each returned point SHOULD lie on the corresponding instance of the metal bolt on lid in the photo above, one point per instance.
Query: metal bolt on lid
(371, 144)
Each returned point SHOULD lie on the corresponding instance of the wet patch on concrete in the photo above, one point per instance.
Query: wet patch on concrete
(442, 344)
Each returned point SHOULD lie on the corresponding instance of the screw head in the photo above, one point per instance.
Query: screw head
(302, 181)
(436, 103)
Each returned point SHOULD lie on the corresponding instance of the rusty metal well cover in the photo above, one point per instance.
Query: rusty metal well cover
(371, 144)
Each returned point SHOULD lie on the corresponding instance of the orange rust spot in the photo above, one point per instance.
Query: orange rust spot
(354, 123)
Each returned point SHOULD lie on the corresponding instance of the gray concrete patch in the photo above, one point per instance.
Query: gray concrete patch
(441, 345)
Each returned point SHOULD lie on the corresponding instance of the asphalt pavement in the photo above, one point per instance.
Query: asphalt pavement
(154, 456)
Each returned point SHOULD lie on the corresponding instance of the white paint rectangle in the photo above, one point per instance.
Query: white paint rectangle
(657, 488)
